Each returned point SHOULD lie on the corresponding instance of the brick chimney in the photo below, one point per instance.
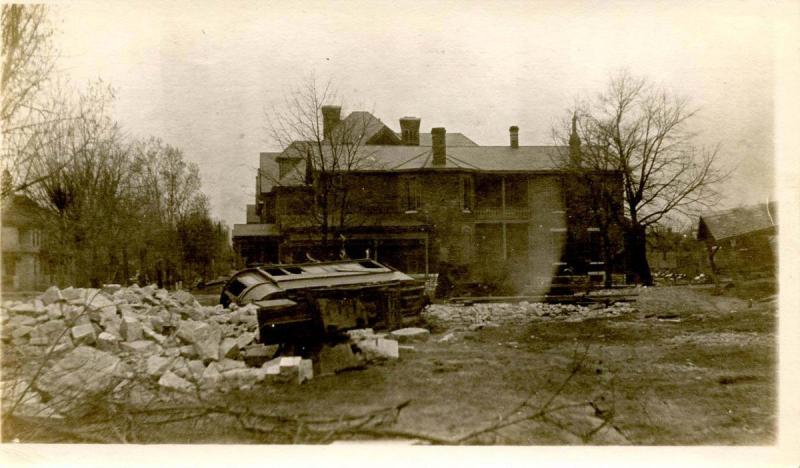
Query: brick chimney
(574, 143)
(514, 132)
(330, 118)
(409, 129)
(439, 147)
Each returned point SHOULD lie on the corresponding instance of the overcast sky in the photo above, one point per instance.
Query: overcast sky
(201, 75)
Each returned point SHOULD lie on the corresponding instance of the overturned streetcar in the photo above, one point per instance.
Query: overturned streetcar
(307, 301)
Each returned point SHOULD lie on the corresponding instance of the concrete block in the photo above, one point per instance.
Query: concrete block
(106, 314)
(245, 339)
(184, 298)
(207, 341)
(406, 335)
(150, 334)
(131, 329)
(180, 368)
(107, 342)
(25, 308)
(196, 368)
(72, 295)
(100, 302)
(228, 364)
(187, 330)
(84, 371)
(333, 359)
(272, 367)
(171, 381)
(52, 295)
(305, 371)
(256, 355)
(360, 334)
(211, 376)
(21, 320)
(54, 311)
(157, 365)
(82, 319)
(288, 369)
(188, 351)
(110, 289)
(157, 323)
(21, 331)
(113, 326)
(140, 346)
(126, 310)
(242, 378)
(379, 348)
(83, 334)
(229, 348)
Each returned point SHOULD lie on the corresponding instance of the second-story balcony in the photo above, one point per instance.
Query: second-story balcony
(501, 213)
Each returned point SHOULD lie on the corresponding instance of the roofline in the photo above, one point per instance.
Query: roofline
(553, 171)
(461, 169)
(727, 211)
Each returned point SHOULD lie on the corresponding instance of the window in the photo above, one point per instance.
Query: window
(467, 194)
(410, 200)
(516, 190)
(594, 245)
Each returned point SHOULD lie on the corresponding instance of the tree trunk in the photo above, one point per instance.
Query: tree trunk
(126, 272)
(712, 250)
(637, 268)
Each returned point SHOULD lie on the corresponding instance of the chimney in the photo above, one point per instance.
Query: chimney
(439, 147)
(330, 118)
(409, 129)
(574, 143)
(514, 132)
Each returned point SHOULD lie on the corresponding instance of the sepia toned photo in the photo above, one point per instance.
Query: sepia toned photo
(369, 224)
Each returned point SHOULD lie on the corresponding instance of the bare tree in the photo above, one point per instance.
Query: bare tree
(28, 60)
(329, 157)
(81, 165)
(643, 132)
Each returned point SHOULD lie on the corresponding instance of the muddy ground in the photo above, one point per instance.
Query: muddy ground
(679, 367)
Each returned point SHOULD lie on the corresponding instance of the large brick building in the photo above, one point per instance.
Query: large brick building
(429, 202)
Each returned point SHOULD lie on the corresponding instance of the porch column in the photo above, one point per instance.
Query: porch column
(426, 254)
(505, 241)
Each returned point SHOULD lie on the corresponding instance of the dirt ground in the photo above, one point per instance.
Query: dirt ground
(684, 367)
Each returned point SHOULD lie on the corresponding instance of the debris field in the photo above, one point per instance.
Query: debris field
(67, 347)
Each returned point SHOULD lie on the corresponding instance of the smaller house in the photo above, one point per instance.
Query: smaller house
(741, 241)
(21, 245)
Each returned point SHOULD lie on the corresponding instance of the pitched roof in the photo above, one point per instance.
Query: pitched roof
(481, 158)
(268, 171)
(371, 126)
(738, 221)
(20, 210)
(450, 139)
(477, 158)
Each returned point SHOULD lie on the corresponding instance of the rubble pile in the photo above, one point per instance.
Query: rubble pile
(113, 340)
(488, 315)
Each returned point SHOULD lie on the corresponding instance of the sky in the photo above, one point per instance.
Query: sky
(203, 76)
